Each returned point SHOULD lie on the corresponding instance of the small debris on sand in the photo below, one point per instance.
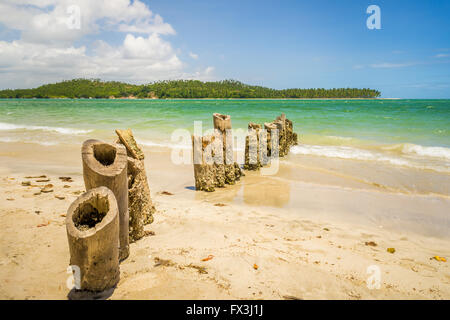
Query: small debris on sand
(62, 215)
(162, 262)
(438, 258)
(37, 193)
(255, 266)
(47, 189)
(10, 199)
(43, 180)
(77, 192)
(66, 186)
(208, 258)
(200, 269)
(288, 297)
(26, 183)
(43, 224)
(37, 211)
(66, 179)
(326, 229)
(60, 197)
(220, 204)
(37, 177)
(371, 243)
(166, 193)
(149, 233)
(390, 250)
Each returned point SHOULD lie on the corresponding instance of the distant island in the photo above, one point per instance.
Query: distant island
(178, 89)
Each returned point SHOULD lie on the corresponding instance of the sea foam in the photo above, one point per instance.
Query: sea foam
(10, 127)
(344, 152)
(432, 152)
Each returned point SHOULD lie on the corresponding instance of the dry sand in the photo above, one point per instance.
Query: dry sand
(268, 240)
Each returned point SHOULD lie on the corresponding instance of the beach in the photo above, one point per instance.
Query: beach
(315, 230)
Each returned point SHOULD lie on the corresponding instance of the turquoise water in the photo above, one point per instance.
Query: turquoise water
(330, 128)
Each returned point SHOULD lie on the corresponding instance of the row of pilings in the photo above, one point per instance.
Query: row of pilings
(112, 213)
(213, 155)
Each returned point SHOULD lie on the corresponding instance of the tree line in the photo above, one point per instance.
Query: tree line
(177, 89)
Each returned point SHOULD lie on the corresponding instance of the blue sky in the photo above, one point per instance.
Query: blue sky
(320, 43)
(279, 44)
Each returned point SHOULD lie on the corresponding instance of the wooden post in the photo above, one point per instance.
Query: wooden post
(140, 205)
(270, 127)
(252, 157)
(92, 224)
(282, 145)
(222, 123)
(105, 164)
(233, 171)
(204, 167)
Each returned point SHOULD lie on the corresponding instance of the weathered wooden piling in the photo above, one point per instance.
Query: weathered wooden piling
(222, 123)
(290, 137)
(140, 205)
(270, 128)
(105, 164)
(92, 224)
(204, 167)
(252, 144)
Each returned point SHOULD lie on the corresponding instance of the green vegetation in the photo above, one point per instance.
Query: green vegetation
(182, 89)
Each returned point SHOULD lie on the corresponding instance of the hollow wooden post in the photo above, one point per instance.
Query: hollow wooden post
(92, 224)
(105, 164)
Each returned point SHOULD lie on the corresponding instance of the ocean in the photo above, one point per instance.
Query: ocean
(409, 133)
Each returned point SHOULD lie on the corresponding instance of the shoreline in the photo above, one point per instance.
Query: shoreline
(158, 99)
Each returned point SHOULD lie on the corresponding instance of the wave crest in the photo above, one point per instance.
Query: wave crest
(70, 131)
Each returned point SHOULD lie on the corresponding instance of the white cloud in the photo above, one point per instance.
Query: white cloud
(193, 55)
(390, 65)
(49, 51)
(442, 55)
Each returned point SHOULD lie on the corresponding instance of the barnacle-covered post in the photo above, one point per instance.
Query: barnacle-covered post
(92, 224)
(270, 129)
(282, 145)
(140, 205)
(288, 137)
(105, 164)
(204, 167)
(252, 144)
(222, 124)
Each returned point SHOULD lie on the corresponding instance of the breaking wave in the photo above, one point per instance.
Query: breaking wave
(69, 131)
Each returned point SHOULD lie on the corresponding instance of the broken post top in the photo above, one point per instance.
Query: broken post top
(255, 126)
(108, 159)
(221, 121)
(91, 212)
(127, 139)
(270, 126)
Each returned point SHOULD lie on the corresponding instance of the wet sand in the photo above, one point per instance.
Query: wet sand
(300, 234)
